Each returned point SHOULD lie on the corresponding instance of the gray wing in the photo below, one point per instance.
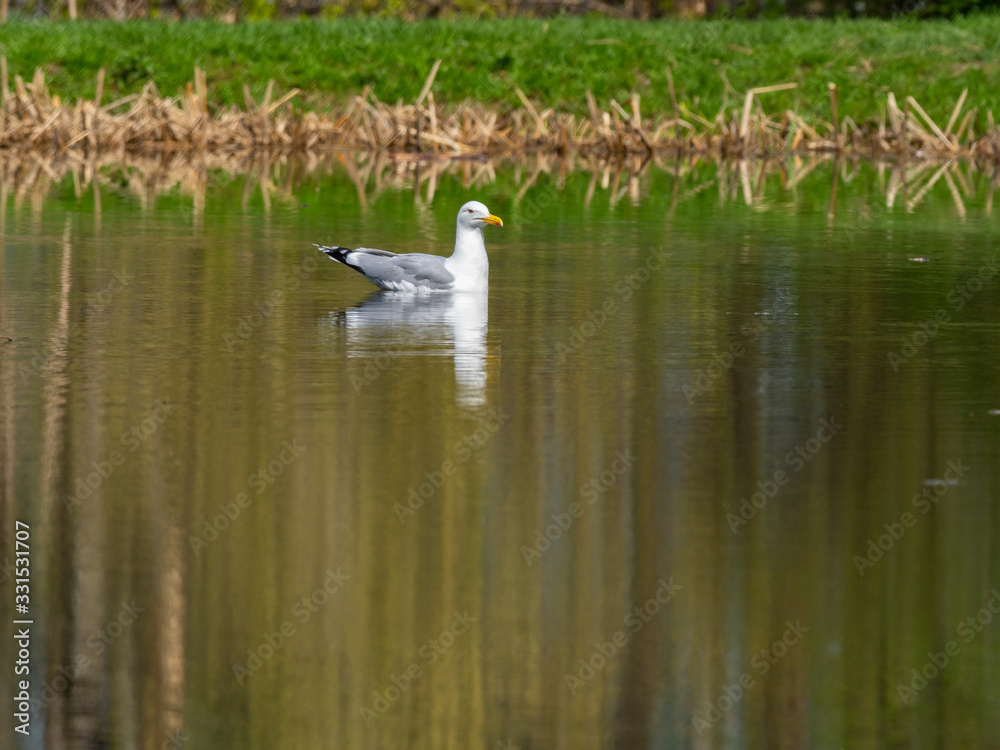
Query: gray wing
(393, 272)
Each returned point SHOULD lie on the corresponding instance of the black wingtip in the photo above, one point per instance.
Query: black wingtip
(338, 254)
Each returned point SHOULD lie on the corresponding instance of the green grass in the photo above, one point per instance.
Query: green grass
(553, 61)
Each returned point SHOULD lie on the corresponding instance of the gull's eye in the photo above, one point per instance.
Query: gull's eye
(470, 210)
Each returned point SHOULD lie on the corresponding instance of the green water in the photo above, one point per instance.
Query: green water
(533, 516)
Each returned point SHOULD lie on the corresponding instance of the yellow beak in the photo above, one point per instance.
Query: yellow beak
(494, 220)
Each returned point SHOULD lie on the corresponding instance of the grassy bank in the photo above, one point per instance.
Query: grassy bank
(553, 61)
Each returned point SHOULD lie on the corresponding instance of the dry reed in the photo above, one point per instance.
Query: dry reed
(30, 117)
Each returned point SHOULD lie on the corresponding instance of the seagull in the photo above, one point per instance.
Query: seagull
(467, 270)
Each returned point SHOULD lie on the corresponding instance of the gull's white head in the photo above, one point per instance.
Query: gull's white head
(474, 215)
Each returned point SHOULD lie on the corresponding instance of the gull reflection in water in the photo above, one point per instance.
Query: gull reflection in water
(401, 324)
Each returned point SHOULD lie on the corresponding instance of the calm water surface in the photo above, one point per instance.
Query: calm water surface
(712, 466)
